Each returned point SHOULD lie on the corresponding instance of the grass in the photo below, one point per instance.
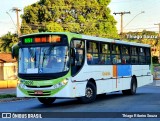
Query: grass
(7, 96)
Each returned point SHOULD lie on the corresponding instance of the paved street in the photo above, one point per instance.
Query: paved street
(8, 91)
(147, 99)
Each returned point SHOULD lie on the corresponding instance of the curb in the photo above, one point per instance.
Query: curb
(8, 84)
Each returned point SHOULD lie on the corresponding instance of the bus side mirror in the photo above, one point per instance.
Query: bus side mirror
(15, 51)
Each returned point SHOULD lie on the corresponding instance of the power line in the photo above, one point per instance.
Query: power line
(11, 19)
(133, 19)
(122, 13)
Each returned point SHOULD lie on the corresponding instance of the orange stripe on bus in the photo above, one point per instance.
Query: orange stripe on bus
(115, 74)
(115, 71)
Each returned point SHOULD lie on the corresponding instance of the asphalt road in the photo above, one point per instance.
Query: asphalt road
(8, 91)
(147, 99)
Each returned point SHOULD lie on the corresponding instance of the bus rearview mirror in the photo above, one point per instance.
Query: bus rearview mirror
(15, 51)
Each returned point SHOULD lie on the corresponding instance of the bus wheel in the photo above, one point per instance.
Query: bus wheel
(90, 93)
(133, 88)
(46, 100)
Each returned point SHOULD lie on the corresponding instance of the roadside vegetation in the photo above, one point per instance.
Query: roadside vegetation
(7, 96)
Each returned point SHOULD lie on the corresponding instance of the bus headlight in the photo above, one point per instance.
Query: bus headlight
(18, 82)
(64, 82)
(60, 84)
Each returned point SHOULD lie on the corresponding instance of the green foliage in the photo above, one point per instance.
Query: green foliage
(90, 17)
(7, 41)
(53, 27)
(155, 59)
(7, 96)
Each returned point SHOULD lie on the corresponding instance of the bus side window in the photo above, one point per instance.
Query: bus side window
(142, 59)
(116, 57)
(92, 53)
(125, 54)
(89, 59)
(134, 55)
(148, 55)
(104, 54)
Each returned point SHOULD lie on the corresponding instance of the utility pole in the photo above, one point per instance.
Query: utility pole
(17, 10)
(122, 13)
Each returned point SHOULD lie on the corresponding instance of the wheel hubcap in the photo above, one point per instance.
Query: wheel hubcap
(89, 92)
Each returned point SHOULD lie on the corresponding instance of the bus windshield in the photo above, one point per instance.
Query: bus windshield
(41, 60)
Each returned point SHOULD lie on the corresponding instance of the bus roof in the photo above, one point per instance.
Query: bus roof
(94, 38)
(114, 41)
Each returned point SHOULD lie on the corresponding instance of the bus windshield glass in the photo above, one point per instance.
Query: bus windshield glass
(41, 60)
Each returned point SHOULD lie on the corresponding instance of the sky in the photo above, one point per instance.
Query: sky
(135, 20)
(6, 23)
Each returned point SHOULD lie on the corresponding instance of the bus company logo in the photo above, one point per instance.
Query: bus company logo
(106, 73)
(6, 115)
(38, 85)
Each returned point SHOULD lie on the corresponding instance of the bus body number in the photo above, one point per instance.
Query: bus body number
(106, 73)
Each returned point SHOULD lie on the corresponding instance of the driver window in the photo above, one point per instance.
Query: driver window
(77, 55)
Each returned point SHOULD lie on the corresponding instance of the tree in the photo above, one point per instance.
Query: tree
(51, 27)
(7, 41)
(86, 17)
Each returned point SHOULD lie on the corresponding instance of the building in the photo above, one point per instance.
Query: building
(8, 67)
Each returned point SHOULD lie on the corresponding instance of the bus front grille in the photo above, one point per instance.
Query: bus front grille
(39, 86)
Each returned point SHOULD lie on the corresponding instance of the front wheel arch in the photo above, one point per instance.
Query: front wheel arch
(90, 93)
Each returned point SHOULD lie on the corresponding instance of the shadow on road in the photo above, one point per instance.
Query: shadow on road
(70, 104)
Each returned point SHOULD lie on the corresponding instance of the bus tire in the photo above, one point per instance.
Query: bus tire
(90, 93)
(133, 88)
(46, 100)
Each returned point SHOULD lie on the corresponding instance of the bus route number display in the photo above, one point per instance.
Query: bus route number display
(41, 39)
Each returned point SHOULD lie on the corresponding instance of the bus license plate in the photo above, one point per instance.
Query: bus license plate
(38, 92)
